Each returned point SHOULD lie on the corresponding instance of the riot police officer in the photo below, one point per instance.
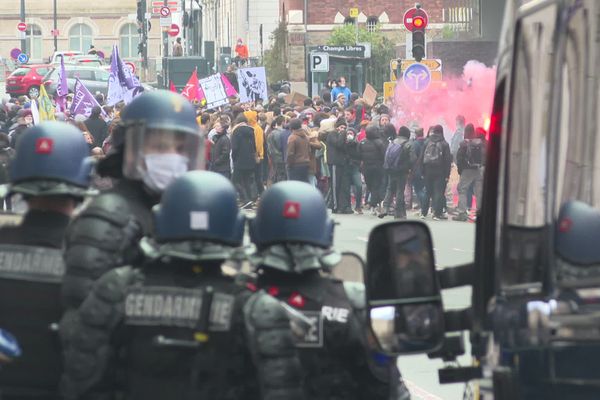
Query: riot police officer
(51, 170)
(178, 323)
(293, 235)
(158, 140)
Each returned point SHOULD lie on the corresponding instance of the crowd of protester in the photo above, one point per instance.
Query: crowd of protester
(335, 141)
(350, 151)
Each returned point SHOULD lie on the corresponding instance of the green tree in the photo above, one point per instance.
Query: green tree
(382, 50)
(275, 59)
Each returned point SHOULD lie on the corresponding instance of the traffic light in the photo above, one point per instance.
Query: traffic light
(140, 11)
(419, 23)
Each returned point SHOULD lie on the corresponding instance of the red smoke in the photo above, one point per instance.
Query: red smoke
(470, 95)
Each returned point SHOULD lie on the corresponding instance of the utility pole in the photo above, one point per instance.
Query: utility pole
(165, 37)
(55, 29)
(24, 39)
(184, 28)
(143, 32)
(262, 54)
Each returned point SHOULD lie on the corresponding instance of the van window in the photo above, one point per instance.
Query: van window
(102, 76)
(578, 138)
(82, 74)
(528, 126)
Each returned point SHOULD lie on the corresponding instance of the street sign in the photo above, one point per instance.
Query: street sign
(156, 10)
(55, 32)
(389, 88)
(417, 77)
(14, 53)
(434, 65)
(415, 19)
(165, 12)
(131, 66)
(354, 12)
(23, 58)
(174, 30)
(22, 26)
(319, 62)
(165, 22)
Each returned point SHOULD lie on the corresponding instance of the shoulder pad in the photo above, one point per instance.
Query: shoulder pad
(113, 285)
(109, 206)
(263, 311)
(104, 305)
(356, 294)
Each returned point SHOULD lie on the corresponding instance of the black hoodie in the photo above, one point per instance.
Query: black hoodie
(372, 149)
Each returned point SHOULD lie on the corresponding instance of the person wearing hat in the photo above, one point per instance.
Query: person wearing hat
(52, 172)
(24, 121)
(298, 152)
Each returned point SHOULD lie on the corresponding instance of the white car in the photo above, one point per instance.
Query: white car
(66, 54)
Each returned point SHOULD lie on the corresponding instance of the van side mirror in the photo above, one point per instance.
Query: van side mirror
(350, 268)
(403, 294)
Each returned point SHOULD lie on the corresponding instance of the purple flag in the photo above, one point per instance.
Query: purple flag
(125, 75)
(62, 89)
(83, 101)
(116, 91)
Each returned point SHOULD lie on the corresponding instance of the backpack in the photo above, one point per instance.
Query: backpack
(434, 153)
(399, 157)
(475, 154)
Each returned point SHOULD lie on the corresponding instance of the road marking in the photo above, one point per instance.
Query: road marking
(420, 393)
(363, 239)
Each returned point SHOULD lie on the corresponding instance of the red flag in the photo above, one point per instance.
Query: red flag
(192, 88)
(172, 87)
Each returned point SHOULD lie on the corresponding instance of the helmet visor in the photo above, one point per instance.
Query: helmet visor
(142, 143)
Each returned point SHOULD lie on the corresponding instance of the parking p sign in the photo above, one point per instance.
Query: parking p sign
(319, 62)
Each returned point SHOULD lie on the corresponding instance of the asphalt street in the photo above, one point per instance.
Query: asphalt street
(454, 244)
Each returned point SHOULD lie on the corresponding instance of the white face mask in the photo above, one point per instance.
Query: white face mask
(162, 169)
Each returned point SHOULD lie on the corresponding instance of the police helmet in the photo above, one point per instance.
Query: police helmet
(51, 159)
(199, 205)
(292, 212)
(160, 126)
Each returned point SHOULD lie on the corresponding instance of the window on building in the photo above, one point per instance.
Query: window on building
(349, 21)
(34, 41)
(80, 37)
(129, 40)
(372, 23)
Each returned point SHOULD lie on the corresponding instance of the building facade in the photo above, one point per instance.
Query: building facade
(448, 19)
(226, 21)
(80, 24)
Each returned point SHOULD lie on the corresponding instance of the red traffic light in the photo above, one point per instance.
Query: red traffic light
(419, 22)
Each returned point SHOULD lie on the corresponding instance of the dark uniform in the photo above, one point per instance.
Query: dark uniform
(50, 163)
(293, 235)
(178, 327)
(105, 235)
